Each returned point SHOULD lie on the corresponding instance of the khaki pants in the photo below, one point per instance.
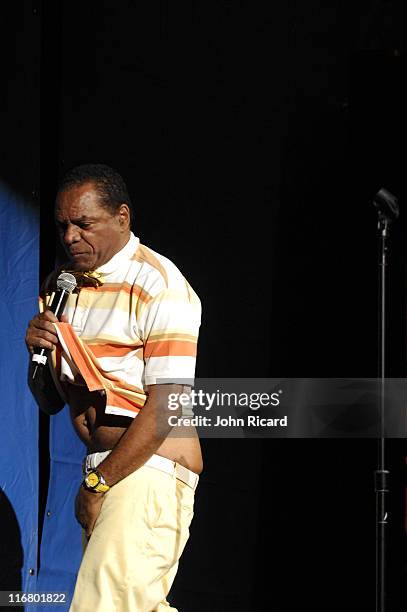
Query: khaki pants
(131, 559)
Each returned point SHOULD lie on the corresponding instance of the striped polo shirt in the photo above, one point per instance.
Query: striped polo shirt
(139, 327)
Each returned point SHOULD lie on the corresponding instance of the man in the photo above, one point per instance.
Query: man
(124, 343)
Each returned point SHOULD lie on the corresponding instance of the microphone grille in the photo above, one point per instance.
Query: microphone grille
(66, 282)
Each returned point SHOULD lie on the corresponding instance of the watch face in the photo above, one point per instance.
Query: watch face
(92, 480)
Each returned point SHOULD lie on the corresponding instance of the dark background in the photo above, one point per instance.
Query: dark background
(252, 138)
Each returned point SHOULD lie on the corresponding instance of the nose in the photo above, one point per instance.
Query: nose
(71, 235)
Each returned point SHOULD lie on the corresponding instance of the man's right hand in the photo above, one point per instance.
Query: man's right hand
(41, 332)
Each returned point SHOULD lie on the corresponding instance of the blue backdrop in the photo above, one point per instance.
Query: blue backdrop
(61, 540)
(19, 238)
(61, 548)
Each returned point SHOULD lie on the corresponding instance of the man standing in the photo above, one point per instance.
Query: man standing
(126, 341)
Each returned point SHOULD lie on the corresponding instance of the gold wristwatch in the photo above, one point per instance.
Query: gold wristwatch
(95, 482)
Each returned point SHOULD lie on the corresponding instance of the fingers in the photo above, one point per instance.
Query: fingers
(48, 315)
(85, 521)
(87, 509)
(41, 332)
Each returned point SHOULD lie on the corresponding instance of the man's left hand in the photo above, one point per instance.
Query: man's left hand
(87, 508)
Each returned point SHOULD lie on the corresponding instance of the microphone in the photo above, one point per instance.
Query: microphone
(66, 283)
(386, 204)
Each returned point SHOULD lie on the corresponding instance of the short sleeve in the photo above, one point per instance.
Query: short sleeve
(170, 325)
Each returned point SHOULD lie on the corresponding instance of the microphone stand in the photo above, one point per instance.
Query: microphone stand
(388, 210)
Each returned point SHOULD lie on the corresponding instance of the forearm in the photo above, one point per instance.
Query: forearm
(44, 390)
(41, 334)
(141, 440)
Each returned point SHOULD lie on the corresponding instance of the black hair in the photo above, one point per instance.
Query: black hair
(110, 186)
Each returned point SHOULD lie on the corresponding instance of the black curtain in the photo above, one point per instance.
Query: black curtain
(252, 139)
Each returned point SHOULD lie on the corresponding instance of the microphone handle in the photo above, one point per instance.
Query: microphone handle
(57, 307)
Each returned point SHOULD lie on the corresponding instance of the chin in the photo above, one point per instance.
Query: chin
(81, 266)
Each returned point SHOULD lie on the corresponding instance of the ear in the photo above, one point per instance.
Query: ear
(124, 216)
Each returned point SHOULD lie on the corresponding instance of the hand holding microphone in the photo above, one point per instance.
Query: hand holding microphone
(41, 335)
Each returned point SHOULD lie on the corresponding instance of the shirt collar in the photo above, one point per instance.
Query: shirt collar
(123, 255)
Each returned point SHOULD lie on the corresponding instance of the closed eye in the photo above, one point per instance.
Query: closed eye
(62, 227)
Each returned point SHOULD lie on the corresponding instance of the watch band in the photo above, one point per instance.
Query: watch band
(95, 482)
